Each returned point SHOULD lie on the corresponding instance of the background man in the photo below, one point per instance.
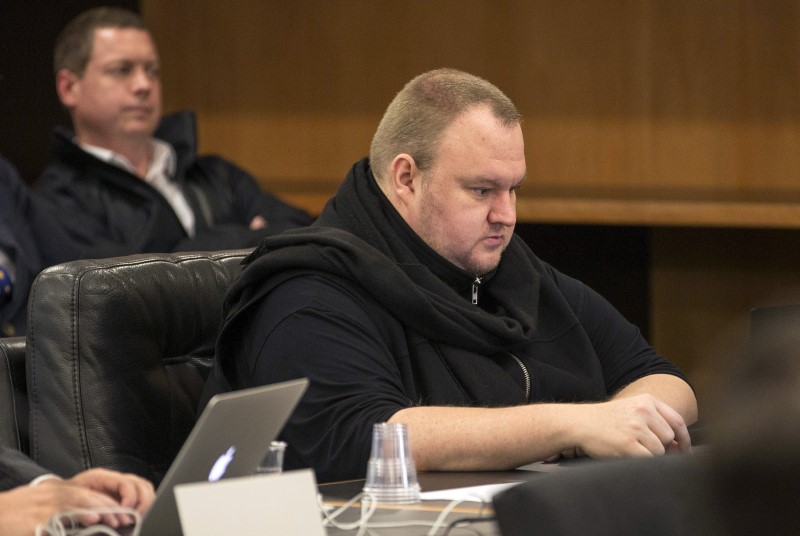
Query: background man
(30, 496)
(411, 300)
(122, 186)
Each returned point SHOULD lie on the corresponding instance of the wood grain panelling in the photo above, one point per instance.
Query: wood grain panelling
(640, 94)
(681, 116)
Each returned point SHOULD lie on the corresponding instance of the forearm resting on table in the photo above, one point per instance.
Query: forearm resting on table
(643, 419)
(485, 439)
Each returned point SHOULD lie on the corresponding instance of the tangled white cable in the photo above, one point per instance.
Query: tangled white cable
(368, 507)
(68, 524)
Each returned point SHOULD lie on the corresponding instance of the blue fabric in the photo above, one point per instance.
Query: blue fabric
(30, 240)
(6, 285)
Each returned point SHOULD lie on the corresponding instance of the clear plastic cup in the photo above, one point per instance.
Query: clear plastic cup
(391, 473)
(273, 460)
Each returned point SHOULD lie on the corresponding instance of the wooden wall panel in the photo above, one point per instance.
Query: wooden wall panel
(690, 108)
(634, 94)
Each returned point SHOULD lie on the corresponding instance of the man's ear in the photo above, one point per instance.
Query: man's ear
(67, 86)
(404, 177)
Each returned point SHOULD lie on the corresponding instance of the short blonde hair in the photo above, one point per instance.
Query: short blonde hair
(416, 118)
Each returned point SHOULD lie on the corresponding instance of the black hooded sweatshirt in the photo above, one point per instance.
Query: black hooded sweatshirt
(379, 322)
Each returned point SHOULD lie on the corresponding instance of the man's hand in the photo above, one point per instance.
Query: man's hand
(130, 491)
(639, 425)
(25, 507)
(646, 418)
(258, 222)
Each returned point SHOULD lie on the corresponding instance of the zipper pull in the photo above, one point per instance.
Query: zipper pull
(475, 285)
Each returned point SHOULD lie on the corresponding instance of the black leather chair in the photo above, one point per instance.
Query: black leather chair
(13, 394)
(118, 351)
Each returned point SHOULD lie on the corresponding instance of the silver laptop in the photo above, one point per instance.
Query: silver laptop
(229, 439)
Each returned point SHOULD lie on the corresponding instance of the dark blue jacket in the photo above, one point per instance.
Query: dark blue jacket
(109, 212)
(31, 239)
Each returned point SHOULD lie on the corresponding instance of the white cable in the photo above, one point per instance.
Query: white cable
(449, 508)
(440, 519)
(67, 523)
(366, 513)
(369, 506)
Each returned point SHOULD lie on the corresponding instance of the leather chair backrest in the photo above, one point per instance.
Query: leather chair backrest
(13, 394)
(118, 351)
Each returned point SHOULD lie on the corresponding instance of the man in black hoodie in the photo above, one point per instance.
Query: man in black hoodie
(411, 300)
(121, 185)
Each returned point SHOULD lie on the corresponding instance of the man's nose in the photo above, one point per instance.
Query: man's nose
(142, 80)
(504, 209)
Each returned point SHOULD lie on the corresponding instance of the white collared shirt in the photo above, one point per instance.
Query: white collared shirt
(159, 176)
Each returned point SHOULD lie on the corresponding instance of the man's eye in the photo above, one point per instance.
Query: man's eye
(119, 71)
(482, 192)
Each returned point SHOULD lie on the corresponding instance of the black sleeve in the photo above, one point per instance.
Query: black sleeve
(97, 221)
(16, 469)
(240, 198)
(318, 329)
(625, 355)
(30, 218)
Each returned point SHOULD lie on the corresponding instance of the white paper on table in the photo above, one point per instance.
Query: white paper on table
(483, 493)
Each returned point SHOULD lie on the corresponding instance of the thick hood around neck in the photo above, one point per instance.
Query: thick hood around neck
(354, 240)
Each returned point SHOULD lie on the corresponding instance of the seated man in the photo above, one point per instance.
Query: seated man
(412, 300)
(29, 496)
(119, 189)
(27, 232)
